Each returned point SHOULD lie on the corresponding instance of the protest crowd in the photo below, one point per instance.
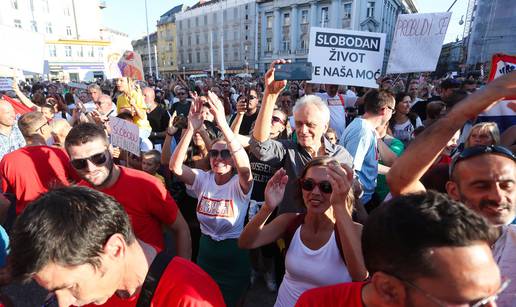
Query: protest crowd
(186, 192)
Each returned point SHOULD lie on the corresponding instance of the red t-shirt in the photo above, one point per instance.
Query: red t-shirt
(146, 201)
(31, 171)
(345, 294)
(182, 284)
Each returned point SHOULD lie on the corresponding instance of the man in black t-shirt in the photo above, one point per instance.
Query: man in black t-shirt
(158, 117)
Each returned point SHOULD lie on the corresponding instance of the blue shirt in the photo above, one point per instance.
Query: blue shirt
(11, 142)
(359, 139)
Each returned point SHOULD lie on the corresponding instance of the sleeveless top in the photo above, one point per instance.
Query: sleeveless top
(306, 269)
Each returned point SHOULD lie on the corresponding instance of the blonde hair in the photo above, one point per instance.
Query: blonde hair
(490, 127)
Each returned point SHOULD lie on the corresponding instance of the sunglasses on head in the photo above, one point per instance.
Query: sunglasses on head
(309, 184)
(276, 119)
(224, 153)
(474, 151)
(97, 159)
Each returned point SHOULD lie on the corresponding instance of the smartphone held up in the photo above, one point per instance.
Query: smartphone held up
(297, 71)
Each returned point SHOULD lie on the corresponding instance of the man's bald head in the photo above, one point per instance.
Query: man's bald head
(149, 95)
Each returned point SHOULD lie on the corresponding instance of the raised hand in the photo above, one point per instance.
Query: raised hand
(195, 120)
(274, 87)
(341, 179)
(275, 188)
(216, 108)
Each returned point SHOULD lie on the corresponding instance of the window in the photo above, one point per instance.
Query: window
(101, 52)
(181, 41)
(214, 36)
(215, 17)
(370, 9)
(235, 55)
(324, 16)
(69, 30)
(197, 39)
(286, 45)
(235, 35)
(304, 42)
(14, 4)
(34, 26)
(189, 41)
(67, 11)
(235, 13)
(304, 16)
(17, 23)
(347, 10)
(286, 19)
(189, 58)
(80, 52)
(205, 19)
(49, 28)
(268, 48)
(68, 51)
(180, 24)
(188, 23)
(269, 22)
(197, 21)
(52, 52)
(91, 52)
(198, 56)
(246, 17)
(225, 14)
(206, 37)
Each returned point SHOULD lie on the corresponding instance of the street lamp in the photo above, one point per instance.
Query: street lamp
(184, 76)
(246, 67)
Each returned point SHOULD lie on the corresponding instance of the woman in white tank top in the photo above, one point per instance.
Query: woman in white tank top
(313, 258)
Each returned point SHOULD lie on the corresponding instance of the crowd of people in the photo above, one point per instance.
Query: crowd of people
(334, 195)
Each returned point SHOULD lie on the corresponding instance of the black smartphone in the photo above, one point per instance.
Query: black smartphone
(297, 71)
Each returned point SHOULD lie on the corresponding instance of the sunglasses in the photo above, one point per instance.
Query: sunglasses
(474, 151)
(224, 153)
(276, 119)
(309, 185)
(97, 159)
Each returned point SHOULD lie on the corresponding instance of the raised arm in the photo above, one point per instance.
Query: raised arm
(240, 157)
(169, 135)
(256, 233)
(262, 127)
(407, 170)
(239, 117)
(341, 178)
(24, 99)
(176, 164)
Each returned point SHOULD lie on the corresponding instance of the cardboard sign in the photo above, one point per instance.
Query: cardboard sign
(417, 42)
(125, 135)
(22, 49)
(346, 57)
(130, 65)
(6, 84)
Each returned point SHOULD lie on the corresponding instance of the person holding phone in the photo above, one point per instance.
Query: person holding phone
(247, 111)
(223, 199)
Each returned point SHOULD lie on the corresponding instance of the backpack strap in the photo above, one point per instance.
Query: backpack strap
(154, 274)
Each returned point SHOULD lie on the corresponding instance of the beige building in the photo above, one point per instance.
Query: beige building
(167, 44)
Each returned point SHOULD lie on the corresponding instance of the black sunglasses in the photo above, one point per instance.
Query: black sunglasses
(309, 184)
(474, 151)
(97, 159)
(224, 153)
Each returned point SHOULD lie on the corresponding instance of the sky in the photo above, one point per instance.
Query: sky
(128, 16)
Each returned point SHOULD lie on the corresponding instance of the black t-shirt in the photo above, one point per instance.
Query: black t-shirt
(262, 173)
(158, 119)
(181, 109)
(247, 123)
(420, 107)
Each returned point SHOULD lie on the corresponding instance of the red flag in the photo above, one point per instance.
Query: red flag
(19, 108)
(502, 64)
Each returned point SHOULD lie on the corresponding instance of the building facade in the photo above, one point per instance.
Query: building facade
(74, 50)
(450, 58)
(285, 24)
(493, 30)
(167, 42)
(140, 46)
(218, 33)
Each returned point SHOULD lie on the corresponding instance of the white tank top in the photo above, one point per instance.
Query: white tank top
(306, 269)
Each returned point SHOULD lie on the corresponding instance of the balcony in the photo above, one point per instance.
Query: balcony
(301, 52)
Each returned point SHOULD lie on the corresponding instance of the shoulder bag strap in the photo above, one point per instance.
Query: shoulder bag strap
(151, 282)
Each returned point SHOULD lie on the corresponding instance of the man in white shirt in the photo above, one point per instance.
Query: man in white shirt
(337, 104)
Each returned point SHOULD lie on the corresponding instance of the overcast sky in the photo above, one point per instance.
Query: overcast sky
(128, 16)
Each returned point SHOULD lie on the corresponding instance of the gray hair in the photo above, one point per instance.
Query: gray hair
(94, 86)
(316, 101)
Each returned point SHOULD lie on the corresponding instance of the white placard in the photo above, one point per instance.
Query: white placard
(125, 135)
(417, 42)
(23, 49)
(6, 84)
(346, 57)
(78, 85)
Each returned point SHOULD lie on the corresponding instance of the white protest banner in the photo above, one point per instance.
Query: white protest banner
(125, 135)
(346, 57)
(6, 84)
(78, 85)
(417, 42)
(22, 49)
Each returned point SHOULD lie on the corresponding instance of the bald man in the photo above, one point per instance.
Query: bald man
(11, 137)
(157, 116)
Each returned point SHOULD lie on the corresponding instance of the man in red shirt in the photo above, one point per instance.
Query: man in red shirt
(79, 244)
(421, 250)
(145, 199)
(32, 170)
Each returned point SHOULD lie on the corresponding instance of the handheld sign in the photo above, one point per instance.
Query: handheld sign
(124, 134)
(22, 49)
(417, 42)
(6, 84)
(346, 57)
